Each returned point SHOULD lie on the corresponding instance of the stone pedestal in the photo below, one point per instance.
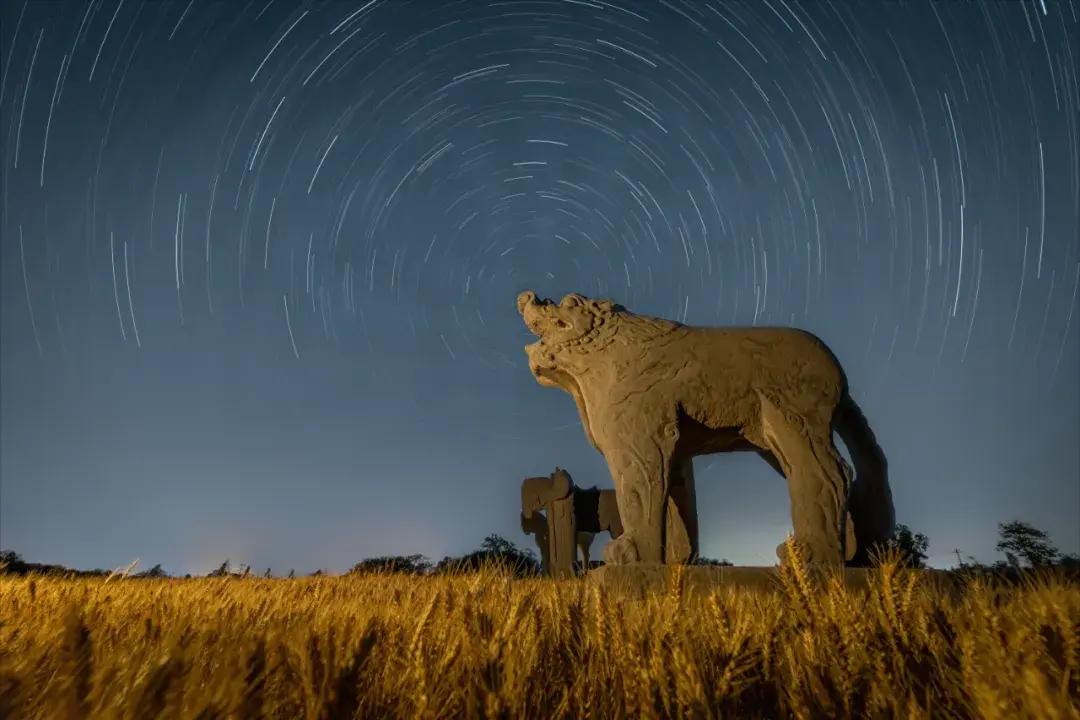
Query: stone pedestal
(704, 579)
(699, 578)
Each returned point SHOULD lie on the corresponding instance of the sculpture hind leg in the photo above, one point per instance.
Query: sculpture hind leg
(870, 499)
(584, 541)
(817, 483)
(850, 541)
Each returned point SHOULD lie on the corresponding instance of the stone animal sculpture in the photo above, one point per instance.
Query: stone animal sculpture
(653, 393)
(595, 511)
(564, 519)
(537, 526)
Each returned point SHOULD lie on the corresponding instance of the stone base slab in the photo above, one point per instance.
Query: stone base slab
(704, 579)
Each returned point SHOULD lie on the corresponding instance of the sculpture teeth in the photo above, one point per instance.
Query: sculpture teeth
(584, 338)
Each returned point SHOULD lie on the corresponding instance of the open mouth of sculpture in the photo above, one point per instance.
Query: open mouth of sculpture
(537, 315)
(537, 325)
(541, 353)
(544, 319)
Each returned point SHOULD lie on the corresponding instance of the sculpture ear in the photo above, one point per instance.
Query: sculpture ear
(605, 307)
(561, 484)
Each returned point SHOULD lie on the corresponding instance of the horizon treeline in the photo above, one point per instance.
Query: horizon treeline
(1024, 547)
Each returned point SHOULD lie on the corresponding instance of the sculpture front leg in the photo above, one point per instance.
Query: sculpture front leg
(681, 534)
(562, 537)
(640, 466)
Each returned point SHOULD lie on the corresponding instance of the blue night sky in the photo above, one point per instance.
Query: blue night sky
(259, 260)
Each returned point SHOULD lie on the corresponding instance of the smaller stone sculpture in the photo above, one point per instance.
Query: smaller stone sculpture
(595, 511)
(554, 496)
(564, 519)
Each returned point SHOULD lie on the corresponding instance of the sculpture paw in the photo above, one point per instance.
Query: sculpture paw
(812, 554)
(621, 551)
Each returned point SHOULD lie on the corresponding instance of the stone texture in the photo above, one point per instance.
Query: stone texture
(653, 393)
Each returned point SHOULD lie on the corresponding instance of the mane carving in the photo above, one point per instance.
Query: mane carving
(614, 324)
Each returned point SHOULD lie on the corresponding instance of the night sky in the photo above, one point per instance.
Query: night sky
(260, 259)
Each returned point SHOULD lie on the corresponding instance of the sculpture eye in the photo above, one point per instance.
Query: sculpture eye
(562, 324)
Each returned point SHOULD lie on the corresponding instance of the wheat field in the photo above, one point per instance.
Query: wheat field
(487, 645)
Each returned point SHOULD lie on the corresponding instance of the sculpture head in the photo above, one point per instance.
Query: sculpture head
(608, 512)
(539, 491)
(565, 330)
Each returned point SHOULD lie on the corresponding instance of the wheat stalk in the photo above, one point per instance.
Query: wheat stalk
(465, 646)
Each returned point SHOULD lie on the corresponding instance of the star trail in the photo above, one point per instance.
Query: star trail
(260, 258)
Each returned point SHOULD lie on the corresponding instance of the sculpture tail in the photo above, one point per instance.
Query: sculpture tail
(870, 500)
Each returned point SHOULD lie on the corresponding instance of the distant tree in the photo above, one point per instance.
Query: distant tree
(405, 564)
(498, 545)
(267, 573)
(962, 564)
(495, 550)
(317, 573)
(971, 564)
(710, 562)
(913, 545)
(292, 573)
(1020, 541)
(11, 562)
(154, 572)
(222, 571)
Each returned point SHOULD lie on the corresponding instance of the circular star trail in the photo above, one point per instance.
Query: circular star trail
(352, 195)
